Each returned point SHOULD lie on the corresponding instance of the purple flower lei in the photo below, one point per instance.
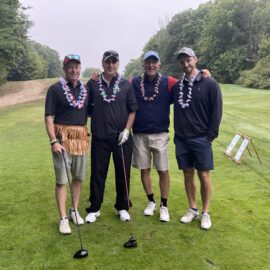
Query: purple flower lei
(79, 103)
(152, 98)
(116, 89)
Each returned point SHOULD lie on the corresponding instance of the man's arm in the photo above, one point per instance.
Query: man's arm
(216, 109)
(56, 146)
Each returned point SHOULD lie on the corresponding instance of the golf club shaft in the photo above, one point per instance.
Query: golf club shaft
(126, 184)
(71, 195)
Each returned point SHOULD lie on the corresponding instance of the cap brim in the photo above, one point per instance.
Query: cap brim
(74, 60)
(110, 56)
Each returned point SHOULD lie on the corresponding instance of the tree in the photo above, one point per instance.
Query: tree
(51, 57)
(90, 70)
(13, 35)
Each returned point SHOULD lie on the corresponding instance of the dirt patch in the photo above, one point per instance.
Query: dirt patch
(20, 92)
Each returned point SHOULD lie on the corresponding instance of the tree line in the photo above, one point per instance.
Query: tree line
(230, 37)
(21, 58)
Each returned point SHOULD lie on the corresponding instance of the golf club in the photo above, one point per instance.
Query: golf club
(82, 253)
(132, 242)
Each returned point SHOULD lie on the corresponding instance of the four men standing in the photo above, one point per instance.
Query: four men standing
(112, 107)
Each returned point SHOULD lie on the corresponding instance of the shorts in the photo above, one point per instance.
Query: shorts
(196, 152)
(148, 146)
(76, 165)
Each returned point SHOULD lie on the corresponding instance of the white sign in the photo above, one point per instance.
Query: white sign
(241, 150)
(233, 143)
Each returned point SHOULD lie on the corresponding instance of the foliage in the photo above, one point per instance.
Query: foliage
(13, 35)
(21, 59)
(51, 58)
(239, 238)
(88, 71)
(228, 36)
(259, 76)
(134, 68)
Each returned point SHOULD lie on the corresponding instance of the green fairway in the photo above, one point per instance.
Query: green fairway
(239, 238)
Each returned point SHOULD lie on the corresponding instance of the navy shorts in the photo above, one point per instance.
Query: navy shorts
(196, 152)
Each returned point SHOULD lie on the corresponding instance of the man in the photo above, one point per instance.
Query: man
(65, 118)
(112, 110)
(197, 115)
(151, 129)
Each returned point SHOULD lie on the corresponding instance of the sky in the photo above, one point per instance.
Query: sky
(89, 28)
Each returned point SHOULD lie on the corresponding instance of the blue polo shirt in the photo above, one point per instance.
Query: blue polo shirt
(153, 116)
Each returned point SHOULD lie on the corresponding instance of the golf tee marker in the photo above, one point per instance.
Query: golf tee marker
(233, 143)
(241, 150)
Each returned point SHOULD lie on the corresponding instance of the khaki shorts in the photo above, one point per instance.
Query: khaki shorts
(76, 165)
(148, 146)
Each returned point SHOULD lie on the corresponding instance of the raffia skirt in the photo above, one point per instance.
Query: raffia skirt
(75, 139)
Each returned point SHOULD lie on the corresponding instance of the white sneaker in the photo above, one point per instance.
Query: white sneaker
(64, 226)
(149, 210)
(72, 216)
(92, 217)
(123, 215)
(164, 214)
(189, 216)
(206, 221)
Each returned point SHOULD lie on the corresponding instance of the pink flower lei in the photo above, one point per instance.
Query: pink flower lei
(152, 98)
(79, 103)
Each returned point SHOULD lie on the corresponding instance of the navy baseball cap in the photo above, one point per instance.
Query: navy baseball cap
(187, 51)
(151, 54)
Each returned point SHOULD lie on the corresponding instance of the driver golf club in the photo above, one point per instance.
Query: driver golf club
(131, 242)
(82, 253)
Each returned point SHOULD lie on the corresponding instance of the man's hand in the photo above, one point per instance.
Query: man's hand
(94, 76)
(123, 136)
(57, 148)
(205, 73)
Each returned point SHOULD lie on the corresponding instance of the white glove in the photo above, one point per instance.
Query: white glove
(123, 136)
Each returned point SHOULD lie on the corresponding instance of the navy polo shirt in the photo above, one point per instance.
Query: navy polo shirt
(153, 116)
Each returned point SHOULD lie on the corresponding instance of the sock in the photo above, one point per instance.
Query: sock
(164, 202)
(195, 209)
(151, 197)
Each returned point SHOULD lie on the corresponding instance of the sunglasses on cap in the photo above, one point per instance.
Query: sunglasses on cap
(70, 57)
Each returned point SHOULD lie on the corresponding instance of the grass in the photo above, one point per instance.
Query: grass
(239, 238)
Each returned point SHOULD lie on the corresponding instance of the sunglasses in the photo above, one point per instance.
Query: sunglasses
(72, 57)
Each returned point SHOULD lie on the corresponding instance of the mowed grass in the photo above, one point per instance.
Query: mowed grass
(239, 238)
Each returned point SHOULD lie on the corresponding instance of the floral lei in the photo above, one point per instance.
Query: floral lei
(79, 103)
(181, 101)
(155, 93)
(116, 89)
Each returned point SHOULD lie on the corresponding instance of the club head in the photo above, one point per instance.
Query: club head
(82, 253)
(131, 243)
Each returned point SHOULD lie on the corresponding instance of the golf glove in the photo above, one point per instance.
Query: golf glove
(123, 136)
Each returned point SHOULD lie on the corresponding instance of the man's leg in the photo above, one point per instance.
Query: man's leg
(146, 181)
(61, 195)
(122, 177)
(100, 159)
(76, 192)
(164, 183)
(206, 189)
(190, 186)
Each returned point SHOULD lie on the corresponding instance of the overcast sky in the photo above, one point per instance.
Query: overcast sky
(91, 27)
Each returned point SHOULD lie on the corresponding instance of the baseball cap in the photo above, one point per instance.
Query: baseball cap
(73, 57)
(110, 54)
(187, 51)
(151, 54)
